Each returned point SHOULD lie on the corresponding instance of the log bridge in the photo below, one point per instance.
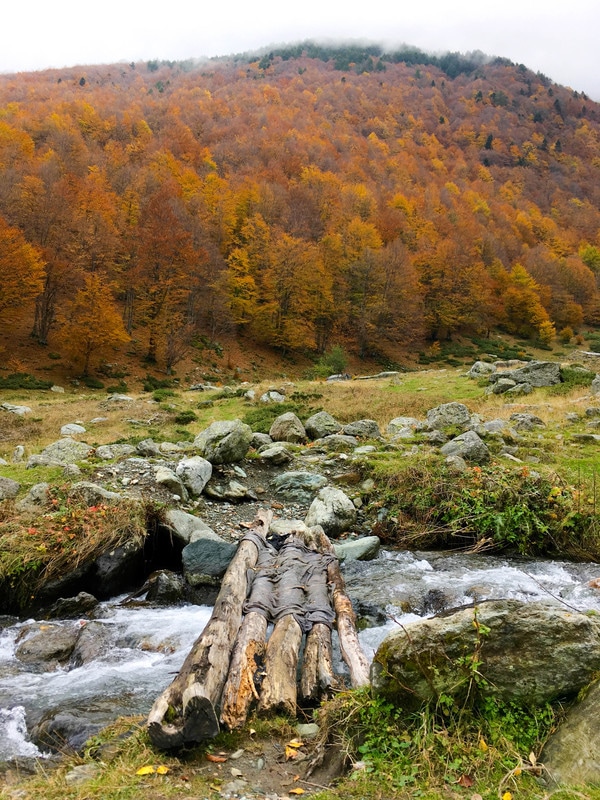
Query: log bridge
(294, 583)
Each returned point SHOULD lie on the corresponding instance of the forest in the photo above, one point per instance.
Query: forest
(295, 199)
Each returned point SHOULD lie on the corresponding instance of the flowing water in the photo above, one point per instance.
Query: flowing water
(146, 645)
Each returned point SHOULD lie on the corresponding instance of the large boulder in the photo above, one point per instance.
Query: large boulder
(333, 510)
(164, 476)
(571, 754)
(206, 560)
(224, 442)
(287, 428)
(363, 549)
(481, 369)
(468, 446)
(536, 373)
(47, 643)
(595, 386)
(64, 451)
(194, 472)
(321, 424)
(8, 488)
(299, 486)
(363, 429)
(447, 415)
(186, 527)
(401, 424)
(528, 653)
(110, 451)
(92, 494)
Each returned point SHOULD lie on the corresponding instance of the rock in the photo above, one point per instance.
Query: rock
(481, 369)
(592, 411)
(536, 373)
(3, 462)
(526, 422)
(283, 527)
(260, 440)
(595, 386)
(64, 451)
(118, 570)
(46, 643)
(172, 482)
(456, 464)
(494, 426)
(35, 499)
(72, 429)
(337, 442)
(571, 754)
(276, 454)
(169, 448)
(363, 549)
(18, 410)
(272, 397)
(65, 730)
(231, 492)
(363, 429)
(18, 454)
(57, 389)
(503, 385)
(287, 428)
(400, 424)
(186, 527)
(93, 641)
(333, 510)
(194, 472)
(427, 659)
(520, 389)
(73, 607)
(448, 414)
(110, 451)
(82, 773)
(92, 494)
(8, 488)
(148, 448)
(165, 588)
(339, 376)
(98, 420)
(321, 424)
(468, 446)
(116, 400)
(206, 560)
(224, 442)
(307, 730)
(300, 487)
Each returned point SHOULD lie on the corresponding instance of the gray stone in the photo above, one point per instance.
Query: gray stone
(448, 414)
(8, 488)
(321, 424)
(365, 450)
(595, 387)
(148, 448)
(195, 472)
(529, 653)
(363, 429)
(503, 385)
(98, 420)
(118, 569)
(456, 464)
(276, 454)
(520, 389)
(82, 773)
(206, 560)
(260, 440)
(298, 486)
(526, 422)
(481, 369)
(92, 494)
(165, 588)
(186, 527)
(73, 607)
(337, 442)
(116, 399)
(35, 499)
(333, 510)
(363, 549)
(230, 492)
(110, 451)
(169, 448)
(172, 482)
(536, 373)
(468, 446)
(72, 429)
(272, 397)
(224, 442)
(18, 410)
(18, 454)
(592, 411)
(57, 389)
(495, 426)
(64, 451)
(400, 424)
(283, 527)
(3, 462)
(287, 428)
(570, 755)
(46, 643)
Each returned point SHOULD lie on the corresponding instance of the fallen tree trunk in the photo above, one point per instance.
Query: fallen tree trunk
(185, 712)
(247, 661)
(278, 690)
(318, 678)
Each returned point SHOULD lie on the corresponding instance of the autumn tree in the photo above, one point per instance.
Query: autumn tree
(21, 273)
(91, 327)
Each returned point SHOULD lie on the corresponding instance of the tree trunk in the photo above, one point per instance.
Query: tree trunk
(278, 691)
(247, 661)
(185, 712)
(317, 664)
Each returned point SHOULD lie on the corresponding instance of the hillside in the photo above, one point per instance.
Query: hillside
(291, 201)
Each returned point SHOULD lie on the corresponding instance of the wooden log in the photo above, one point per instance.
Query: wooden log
(279, 691)
(185, 712)
(317, 677)
(247, 660)
(352, 652)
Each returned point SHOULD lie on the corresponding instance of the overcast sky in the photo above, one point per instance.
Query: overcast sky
(555, 37)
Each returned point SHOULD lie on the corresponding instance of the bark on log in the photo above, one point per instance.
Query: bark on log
(185, 712)
(278, 691)
(247, 660)
(317, 664)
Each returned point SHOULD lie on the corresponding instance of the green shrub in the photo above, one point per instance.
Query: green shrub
(119, 388)
(185, 417)
(93, 383)
(151, 383)
(161, 394)
(22, 380)
(333, 362)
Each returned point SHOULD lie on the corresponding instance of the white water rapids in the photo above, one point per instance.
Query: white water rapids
(147, 644)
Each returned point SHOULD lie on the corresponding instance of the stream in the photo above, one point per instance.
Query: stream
(146, 645)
